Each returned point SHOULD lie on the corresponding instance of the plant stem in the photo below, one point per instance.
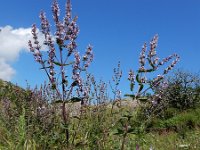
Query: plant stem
(124, 136)
(123, 141)
(65, 119)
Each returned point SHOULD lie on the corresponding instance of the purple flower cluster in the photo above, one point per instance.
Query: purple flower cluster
(45, 29)
(170, 67)
(77, 70)
(154, 64)
(117, 74)
(116, 79)
(59, 25)
(66, 30)
(45, 26)
(142, 57)
(99, 92)
(65, 36)
(153, 45)
(36, 48)
(156, 81)
(68, 10)
(131, 77)
(88, 57)
(151, 57)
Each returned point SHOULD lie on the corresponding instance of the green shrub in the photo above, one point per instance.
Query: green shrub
(182, 91)
(183, 120)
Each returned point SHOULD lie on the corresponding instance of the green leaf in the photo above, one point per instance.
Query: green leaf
(59, 42)
(45, 67)
(119, 132)
(75, 83)
(143, 99)
(70, 63)
(58, 101)
(75, 99)
(131, 130)
(80, 144)
(130, 95)
(64, 126)
(141, 86)
(123, 120)
(141, 71)
(53, 86)
(64, 81)
(137, 78)
(149, 70)
(59, 64)
(115, 102)
(131, 86)
(128, 116)
(150, 62)
(83, 69)
(76, 117)
(75, 18)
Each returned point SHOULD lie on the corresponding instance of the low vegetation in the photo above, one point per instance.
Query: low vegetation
(29, 121)
(73, 110)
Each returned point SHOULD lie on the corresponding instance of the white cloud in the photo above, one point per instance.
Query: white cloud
(12, 42)
(6, 71)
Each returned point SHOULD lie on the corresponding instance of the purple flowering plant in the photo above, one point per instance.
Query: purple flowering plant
(125, 126)
(65, 76)
(61, 47)
(149, 62)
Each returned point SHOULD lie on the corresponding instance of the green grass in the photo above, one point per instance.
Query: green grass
(21, 127)
(187, 119)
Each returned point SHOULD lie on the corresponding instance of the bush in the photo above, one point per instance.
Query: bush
(182, 91)
(186, 120)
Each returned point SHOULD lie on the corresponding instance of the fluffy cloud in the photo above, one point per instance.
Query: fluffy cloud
(12, 42)
(6, 71)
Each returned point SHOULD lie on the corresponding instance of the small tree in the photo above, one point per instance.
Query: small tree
(182, 91)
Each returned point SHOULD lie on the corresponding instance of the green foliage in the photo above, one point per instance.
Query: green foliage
(21, 129)
(60, 64)
(182, 91)
(41, 119)
(28, 128)
(181, 121)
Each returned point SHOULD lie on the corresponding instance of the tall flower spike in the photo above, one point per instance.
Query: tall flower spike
(35, 49)
(153, 45)
(59, 26)
(31, 46)
(48, 41)
(51, 59)
(170, 67)
(131, 77)
(45, 26)
(142, 57)
(68, 16)
(34, 33)
(56, 11)
(167, 59)
(68, 9)
(88, 57)
(76, 66)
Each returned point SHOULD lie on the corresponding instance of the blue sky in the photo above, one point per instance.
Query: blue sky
(117, 30)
